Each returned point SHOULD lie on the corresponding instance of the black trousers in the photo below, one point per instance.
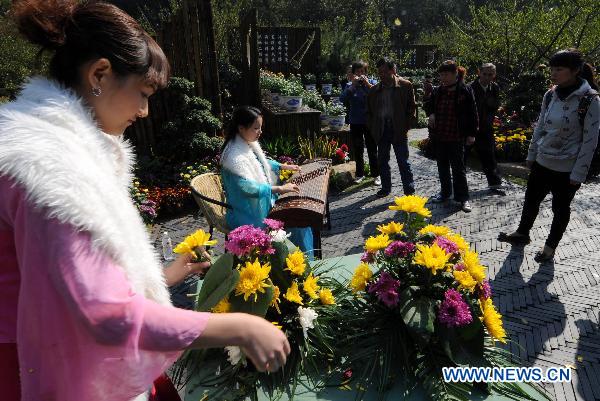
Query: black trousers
(361, 136)
(451, 155)
(485, 147)
(542, 181)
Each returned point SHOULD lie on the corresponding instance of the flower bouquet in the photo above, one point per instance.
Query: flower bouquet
(420, 302)
(263, 274)
(195, 244)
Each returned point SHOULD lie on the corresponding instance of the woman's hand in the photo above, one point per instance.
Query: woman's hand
(265, 345)
(285, 188)
(183, 266)
(291, 167)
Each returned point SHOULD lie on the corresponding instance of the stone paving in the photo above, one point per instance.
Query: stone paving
(551, 311)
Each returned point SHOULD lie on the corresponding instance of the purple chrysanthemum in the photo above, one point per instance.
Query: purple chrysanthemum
(454, 311)
(399, 249)
(485, 290)
(446, 244)
(367, 257)
(273, 224)
(459, 266)
(386, 289)
(245, 239)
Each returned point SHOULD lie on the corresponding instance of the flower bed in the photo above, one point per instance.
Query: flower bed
(512, 137)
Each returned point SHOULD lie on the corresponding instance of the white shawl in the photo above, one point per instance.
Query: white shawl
(50, 145)
(247, 160)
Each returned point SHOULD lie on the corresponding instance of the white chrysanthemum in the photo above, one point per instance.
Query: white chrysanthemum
(307, 318)
(235, 355)
(279, 235)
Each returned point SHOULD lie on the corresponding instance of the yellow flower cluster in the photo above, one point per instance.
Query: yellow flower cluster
(194, 243)
(293, 294)
(473, 266)
(492, 320)
(435, 230)
(411, 204)
(432, 257)
(311, 286)
(222, 307)
(296, 263)
(253, 279)
(391, 228)
(285, 174)
(326, 297)
(374, 244)
(460, 242)
(361, 277)
(465, 280)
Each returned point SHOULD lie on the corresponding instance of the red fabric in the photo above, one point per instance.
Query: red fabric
(446, 121)
(164, 390)
(10, 385)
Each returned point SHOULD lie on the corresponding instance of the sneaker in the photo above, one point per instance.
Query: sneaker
(358, 180)
(466, 207)
(378, 181)
(514, 238)
(382, 194)
(439, 198)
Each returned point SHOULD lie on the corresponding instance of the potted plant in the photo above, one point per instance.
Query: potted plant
(310, 82)
(326, 83)
(337, 115)
(291, 94)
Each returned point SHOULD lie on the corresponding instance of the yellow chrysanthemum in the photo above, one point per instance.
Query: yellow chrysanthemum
(464, 279)
(252, 279)
(492, 320)
(311, 287)
(435, 230)
(296, 263)
(473, 266)
(275, 300)
(361, 277)
(432, 257)
(326, 297)
(391, 228)
(460, 242)
(222, 307)
(411, 204)
(374, 244)
(293, 294)
(194, 243)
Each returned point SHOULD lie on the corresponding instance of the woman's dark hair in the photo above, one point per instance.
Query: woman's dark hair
(244, 116)
(82, 32)
(451, 66)
(357, 65)
(573, 59)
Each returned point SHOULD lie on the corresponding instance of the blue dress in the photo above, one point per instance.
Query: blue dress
(251, 202)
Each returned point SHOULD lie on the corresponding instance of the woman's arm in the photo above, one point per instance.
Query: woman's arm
(589, 142)
(537, 132)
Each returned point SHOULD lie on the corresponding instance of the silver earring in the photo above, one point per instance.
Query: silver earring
(96, 91)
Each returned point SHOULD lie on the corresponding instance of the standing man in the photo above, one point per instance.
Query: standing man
(487, 98)
(391, 110)
(355, 95)
(453, 122)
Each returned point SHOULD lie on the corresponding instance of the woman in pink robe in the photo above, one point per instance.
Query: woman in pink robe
(84, 308)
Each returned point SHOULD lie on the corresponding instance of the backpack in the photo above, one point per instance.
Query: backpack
(582, 109)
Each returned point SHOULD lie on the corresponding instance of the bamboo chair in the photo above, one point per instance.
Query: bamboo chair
(208, 192)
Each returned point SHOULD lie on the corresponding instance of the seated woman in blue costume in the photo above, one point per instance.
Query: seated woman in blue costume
(251, 181)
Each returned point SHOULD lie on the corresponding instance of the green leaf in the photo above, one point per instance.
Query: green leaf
(418, 315)
(256, 307)
(463, 352)
(219, 281)
(281, 278)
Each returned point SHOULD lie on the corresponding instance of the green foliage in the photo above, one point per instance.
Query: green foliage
(219, 281)
(280, 146)
(322, 146)
(525, 94)
(190, 134)
(519, 34)
(335, 109)
(17, 56)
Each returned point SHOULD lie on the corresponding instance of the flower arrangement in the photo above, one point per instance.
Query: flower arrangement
(146, 207)
(264, 274)
(342, 154)
(189, 171)
(420, 301)
(335, 109)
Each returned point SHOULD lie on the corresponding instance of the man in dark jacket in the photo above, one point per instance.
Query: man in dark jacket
(487, 97)
(391, 111)
(453, 122)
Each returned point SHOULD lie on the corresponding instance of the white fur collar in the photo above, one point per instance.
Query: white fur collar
(248, 161)
(51, 146)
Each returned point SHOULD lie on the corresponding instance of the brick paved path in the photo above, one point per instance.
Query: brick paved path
(551, 311)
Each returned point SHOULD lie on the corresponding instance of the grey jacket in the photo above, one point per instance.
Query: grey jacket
(559, 141)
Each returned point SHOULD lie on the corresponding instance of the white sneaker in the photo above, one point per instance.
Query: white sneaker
(378, 180)
(358, 180)
(466, 207)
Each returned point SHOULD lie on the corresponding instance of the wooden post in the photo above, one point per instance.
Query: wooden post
(249, 58)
